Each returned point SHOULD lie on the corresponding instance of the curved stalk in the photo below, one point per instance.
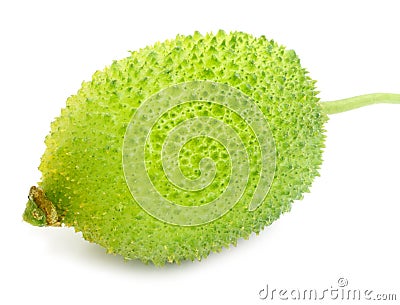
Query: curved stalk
(346, 104)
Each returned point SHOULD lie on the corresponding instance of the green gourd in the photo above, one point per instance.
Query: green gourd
(184, 147)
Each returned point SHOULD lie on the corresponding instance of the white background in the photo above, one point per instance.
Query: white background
(348, 226)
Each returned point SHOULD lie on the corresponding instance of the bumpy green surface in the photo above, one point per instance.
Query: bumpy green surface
(82, 165)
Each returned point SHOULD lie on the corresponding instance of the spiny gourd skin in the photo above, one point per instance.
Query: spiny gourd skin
(82, 165)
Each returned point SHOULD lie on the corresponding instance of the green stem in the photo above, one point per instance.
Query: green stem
(346, 104)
